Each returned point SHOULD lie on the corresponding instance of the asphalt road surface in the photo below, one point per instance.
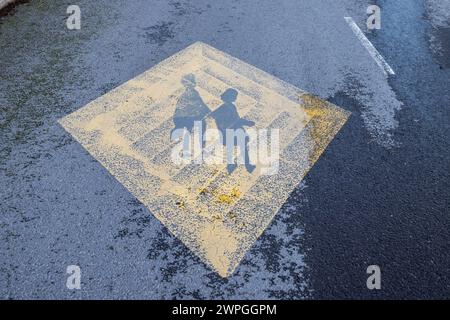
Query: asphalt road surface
(379, 195)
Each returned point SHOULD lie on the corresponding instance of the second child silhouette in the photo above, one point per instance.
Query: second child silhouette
(227, 117)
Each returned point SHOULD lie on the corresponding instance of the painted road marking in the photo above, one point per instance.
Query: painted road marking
(370, 48)
(218, 215)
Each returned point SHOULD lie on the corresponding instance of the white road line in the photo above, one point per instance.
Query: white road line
(369, 46)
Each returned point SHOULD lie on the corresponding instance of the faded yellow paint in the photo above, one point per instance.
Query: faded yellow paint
(218, 250)
(216, 214)
(230, 198)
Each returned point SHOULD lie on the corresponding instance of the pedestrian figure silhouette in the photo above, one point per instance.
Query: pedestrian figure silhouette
(227, 117)
(190, 108)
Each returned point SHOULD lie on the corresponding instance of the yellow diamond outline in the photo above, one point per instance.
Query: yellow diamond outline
(106, 128)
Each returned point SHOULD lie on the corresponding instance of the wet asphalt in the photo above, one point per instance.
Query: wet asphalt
(380, 194)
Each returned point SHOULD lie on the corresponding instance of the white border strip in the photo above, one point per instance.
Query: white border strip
(369, 46)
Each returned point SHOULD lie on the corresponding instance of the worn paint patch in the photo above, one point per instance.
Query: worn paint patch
(218, 215)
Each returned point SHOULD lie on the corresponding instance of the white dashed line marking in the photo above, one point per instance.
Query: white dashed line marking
(369, 46)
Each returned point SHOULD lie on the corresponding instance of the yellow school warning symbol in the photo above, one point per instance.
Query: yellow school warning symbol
(166, 136)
